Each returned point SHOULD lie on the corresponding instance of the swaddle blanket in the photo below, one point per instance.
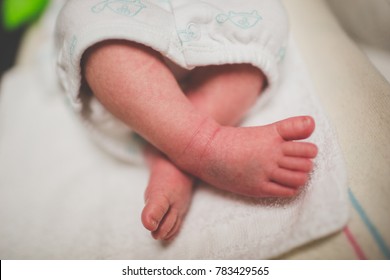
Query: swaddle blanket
(61, 197)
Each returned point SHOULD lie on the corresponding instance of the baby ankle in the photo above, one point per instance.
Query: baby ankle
(191, 157)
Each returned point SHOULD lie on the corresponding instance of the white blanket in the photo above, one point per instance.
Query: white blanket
(61, 197)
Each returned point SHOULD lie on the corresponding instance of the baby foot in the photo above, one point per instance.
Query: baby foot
(254, 161)
(167, 198)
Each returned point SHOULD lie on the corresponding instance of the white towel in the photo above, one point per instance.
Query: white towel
(61, 197)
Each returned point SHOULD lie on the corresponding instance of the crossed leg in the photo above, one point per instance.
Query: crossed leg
(141, 91)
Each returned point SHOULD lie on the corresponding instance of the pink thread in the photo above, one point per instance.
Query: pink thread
(358, 250)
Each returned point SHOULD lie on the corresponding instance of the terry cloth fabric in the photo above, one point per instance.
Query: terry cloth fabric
(62, 198)
(187, 33)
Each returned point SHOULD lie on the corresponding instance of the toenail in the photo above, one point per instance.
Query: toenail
(154, 223)
(307, 122)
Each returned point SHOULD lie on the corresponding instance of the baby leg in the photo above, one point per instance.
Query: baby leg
(135, 85)
(225, 92)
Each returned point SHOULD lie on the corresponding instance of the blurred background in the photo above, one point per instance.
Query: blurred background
(368, 23)
(15, 17)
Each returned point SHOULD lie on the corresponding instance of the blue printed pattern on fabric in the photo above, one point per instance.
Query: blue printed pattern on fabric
(242, 20)
(72, 46)
(281, 54)
(129, 8)
(191, 33)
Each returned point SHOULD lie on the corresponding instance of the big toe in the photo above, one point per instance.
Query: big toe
(296, 128)
(154, 211)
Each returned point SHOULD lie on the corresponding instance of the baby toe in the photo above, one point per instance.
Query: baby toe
(273, 189)
(296, 164)
(172, 234)
(296, 128)
(154, 212)
(299, 149)
(289, 178)
(166, 225)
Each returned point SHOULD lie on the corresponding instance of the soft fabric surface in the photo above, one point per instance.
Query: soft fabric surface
(61, 197)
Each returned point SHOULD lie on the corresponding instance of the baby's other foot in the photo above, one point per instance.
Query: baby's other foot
(263, 161)
(167, 198)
